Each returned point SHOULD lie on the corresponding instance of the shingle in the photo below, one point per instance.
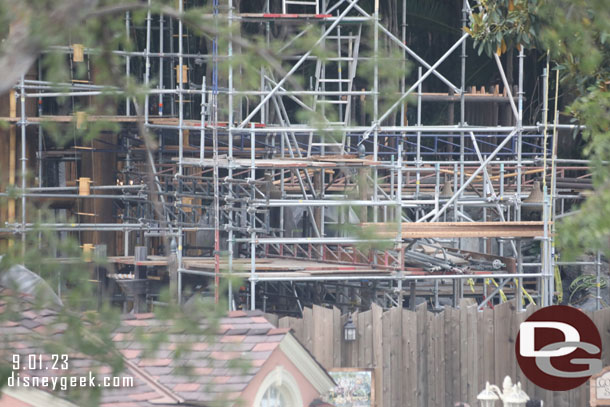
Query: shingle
(144, 396)
(238, 331)
(266, 346)
(147, 315)
(131, 353)
(236, 314)
(225, 355)
(155, 362)
(187, 387)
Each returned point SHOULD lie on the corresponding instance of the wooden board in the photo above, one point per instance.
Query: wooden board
(422, 230)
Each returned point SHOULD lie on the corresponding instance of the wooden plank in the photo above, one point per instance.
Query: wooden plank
(487, 343)
(452, 355)
(361, 338)
(323, 336)
(396, 351)
(409, 358)
(473, 350)
(518, 375)
(463, 344)
(308, 329)
(439, 376)
(368, 359)
(386, 364)
(601, 319)
(422, 362)
(460, 229)
(503, 348)
(377, 327)
(432, 362)
(337, 328)
(355, 345)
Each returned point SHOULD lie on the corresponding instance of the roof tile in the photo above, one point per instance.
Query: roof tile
(131, 353)
(144, 396)
(187, 387)
(155, 362)
(225, 355)
(221, 379)
(147, 315)
(266, 346)
(232, 338)
(237, 314)
(278, 331)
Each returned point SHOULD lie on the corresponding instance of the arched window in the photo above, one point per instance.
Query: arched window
(278, 389)
(274, 397)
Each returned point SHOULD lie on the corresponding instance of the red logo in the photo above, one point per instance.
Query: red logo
(559, 348)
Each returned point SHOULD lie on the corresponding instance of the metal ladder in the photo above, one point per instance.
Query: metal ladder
(288, 3)
(330, 78)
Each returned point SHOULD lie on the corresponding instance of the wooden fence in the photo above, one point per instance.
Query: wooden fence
(426, 359)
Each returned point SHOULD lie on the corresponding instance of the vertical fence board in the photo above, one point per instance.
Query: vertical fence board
(377, 326)
(367, 357)
(452, 356)
(308, 328)
(409, 356)
(473, 349)
(440, 357)
(396, 350)
(355, 345)
(337, 328)
(462, 395)
(422, 362)
(430, 362)
(317, 337)
(386, 366)
(488, 349)
(502, 346)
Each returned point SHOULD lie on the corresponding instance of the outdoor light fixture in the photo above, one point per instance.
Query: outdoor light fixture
(511, 395)
(349, 330)
(516, 398)
(487, 397)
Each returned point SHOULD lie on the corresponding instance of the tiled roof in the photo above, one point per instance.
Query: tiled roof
(186, 369)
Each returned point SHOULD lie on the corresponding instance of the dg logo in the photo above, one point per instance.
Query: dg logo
(559, 348)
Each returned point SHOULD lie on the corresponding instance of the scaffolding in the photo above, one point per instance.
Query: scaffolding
(356, 209)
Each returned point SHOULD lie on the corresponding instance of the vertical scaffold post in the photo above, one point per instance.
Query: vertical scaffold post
(252, 223)
(216, 167)
(230, 153)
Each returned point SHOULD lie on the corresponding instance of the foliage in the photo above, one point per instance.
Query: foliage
(577, 35)
(497, 25)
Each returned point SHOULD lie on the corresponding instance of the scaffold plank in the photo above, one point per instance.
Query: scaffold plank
(423, 230)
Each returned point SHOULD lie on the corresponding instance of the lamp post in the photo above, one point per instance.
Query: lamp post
(511, 394)
(349, 330)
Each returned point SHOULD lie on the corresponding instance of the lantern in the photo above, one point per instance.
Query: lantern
(516, 398)
(349, 330)
(487, 397)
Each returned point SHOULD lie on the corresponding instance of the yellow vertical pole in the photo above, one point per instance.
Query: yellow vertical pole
(12, 156)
